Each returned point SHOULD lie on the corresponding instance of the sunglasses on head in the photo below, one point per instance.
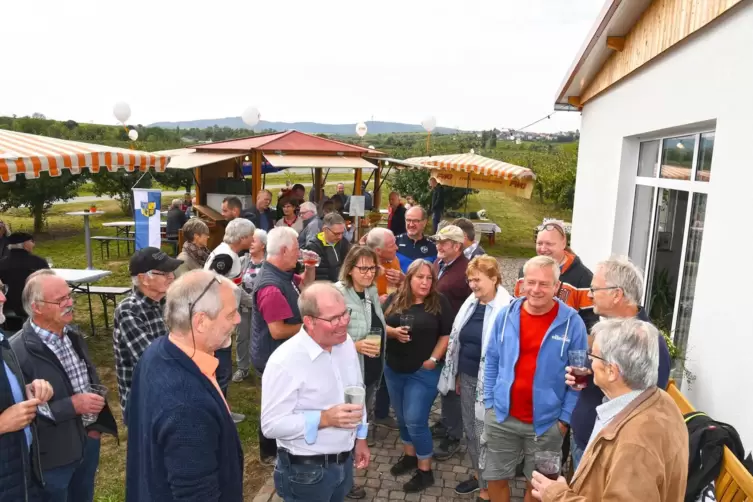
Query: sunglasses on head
(552, 226)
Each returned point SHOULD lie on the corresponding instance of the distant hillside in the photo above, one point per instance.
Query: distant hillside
(309, 127)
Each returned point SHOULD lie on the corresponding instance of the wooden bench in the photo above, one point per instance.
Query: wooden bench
(735, 483)
(107, 294)
(104, 244)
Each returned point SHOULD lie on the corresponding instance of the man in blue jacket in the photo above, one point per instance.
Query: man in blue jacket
(528, 405)
(182, 442)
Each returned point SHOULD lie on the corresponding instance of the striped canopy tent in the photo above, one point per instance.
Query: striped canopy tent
(29, 154)
(468, 170)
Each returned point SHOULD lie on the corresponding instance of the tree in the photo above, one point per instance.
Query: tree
(38, 195)
(416, 183)
(176, 179)
(119, 185)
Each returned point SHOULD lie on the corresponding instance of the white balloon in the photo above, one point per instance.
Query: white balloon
(122, 111)
(371, 147)
(361, 129)
(133, 134)
(429, 123)
(251, 116)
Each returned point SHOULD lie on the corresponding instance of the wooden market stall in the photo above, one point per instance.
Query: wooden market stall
(218, 168)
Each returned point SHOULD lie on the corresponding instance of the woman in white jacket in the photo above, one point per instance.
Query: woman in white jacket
(464, 363)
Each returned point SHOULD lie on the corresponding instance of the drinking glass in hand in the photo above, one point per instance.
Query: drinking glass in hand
(308, 258)
(577, 360)
(406, 322)
(100, 390)
(355, 394)
(548, 463)
(375, 337)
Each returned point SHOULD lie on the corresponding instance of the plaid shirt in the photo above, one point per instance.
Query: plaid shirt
(74, 366)
(138, 321)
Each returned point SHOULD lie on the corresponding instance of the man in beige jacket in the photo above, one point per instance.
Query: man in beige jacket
(638, 450)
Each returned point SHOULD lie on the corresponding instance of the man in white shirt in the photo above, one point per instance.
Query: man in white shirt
(225, 261)
(303, 394)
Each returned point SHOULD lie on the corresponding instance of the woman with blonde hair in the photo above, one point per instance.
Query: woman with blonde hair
(419, 319)
(463, 371)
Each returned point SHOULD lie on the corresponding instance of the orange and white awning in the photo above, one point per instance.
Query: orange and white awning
(29, 154)
(472, 163)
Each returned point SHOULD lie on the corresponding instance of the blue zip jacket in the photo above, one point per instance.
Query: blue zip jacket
(552, 399)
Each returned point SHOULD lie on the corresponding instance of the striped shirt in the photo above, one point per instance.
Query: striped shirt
(74, 366)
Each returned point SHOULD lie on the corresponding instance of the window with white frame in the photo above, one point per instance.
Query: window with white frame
(673, 181)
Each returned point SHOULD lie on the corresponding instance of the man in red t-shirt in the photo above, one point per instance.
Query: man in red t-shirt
(528, 405)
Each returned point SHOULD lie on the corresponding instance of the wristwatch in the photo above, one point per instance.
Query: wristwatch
(432, 358)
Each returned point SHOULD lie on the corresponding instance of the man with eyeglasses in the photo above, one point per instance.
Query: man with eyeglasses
(182, 443)
(313, 402)
(274, 313)
(413, 244)
(331, 247)
(50, 348)
(138, 318)
(616, 291)
(575, 277)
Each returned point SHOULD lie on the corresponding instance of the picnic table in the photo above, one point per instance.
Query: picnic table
(80, 281)
(488, 228)
(122, 234)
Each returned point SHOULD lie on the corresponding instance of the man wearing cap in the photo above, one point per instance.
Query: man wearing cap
(450, 268)
(225, 260)
(138, 319)
(14, 270)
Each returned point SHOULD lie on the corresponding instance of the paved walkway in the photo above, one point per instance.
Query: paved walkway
(381, 486)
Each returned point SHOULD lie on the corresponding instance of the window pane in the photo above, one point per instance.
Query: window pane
(692, 256)
(703, 171)
(648, 158)
(677, 157)
(639, 233)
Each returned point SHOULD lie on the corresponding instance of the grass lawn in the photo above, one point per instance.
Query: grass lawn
(63, 243)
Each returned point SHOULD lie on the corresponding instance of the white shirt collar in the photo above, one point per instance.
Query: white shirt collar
(312, 348)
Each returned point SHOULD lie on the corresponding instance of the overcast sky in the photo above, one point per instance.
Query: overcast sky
(473, 64)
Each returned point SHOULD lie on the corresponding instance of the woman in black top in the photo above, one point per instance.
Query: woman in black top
(412, 369)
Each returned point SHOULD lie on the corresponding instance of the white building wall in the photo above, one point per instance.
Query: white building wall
(707, 78)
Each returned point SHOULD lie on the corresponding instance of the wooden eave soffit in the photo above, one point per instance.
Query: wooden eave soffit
(616, 43)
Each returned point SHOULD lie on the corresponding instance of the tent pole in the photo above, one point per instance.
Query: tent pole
(467, 194)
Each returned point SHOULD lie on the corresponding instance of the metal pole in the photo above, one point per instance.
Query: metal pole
(467, 194)
(87, 237)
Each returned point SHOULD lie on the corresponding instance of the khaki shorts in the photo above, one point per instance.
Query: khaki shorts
(512, 441)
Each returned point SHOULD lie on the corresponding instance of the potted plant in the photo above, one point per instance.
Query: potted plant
(93, 208)
(677, 359)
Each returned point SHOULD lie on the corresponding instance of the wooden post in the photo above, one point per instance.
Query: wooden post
(197, 175)
(318, 185)
(256, 162)
(377, 190)
(357, 180)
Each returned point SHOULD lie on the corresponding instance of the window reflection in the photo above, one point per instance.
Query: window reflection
(703, 171)
(677, 157)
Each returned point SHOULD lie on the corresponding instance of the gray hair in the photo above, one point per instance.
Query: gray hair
(176, 203)
(194, 227)
(262, 235)
(622, 273)
(307, 206)
(543, 262)
(262, 192)
(280, 237)
(32, 292)
(308, 303)
(632, 346)
(16, 246)
(424, 214)
(238, 229)
(182, 295)
(332, 219)
(376, 237)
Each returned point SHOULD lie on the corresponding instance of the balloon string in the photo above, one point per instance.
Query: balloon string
(126, 130)
(428, 140)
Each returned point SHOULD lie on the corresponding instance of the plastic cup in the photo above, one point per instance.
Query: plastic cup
(306, 257)
(100, 390)
(375, 337)
(548, 463)
(406, 321)
(355, 394)
(577, 360)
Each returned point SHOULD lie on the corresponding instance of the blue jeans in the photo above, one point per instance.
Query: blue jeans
(412, 395)
(225, 369)
(312, 483)
(74, 482)
(576, 451)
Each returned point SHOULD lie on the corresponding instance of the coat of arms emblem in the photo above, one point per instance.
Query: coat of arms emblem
(148, 208)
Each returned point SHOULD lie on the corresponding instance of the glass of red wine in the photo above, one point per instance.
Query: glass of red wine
(548, 463)
(406, 321)
(308, 258)
(578, 367)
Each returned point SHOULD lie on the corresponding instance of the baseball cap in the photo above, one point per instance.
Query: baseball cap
(449, 233)
(19, 238)
(151, 258)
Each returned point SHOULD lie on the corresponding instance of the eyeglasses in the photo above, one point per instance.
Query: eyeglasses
(343, 318)
(338, 234)
(163, 274)
(366, 270)
(607, 288)
(60, 303)
(415, 222)
(552, 226)
(594, 356)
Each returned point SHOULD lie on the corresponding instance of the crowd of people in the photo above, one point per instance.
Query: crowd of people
(346, 336)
